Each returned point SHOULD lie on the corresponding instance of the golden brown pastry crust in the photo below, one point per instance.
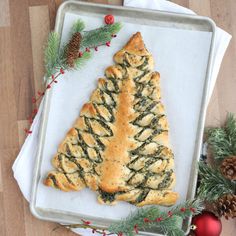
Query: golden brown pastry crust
(119, 145)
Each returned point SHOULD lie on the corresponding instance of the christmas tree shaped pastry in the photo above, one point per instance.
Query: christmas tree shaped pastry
(119, 145)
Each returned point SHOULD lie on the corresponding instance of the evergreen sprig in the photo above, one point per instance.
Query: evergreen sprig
(222, 140)
(51, 52)
(55, 56)
(100, 36)
(152, 217)
(78, 26)
(212, 184)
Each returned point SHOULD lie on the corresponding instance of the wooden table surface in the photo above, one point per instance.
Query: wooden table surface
(24, 26)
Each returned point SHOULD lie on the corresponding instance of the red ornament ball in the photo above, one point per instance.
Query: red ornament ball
(109, 19)
(207, 224)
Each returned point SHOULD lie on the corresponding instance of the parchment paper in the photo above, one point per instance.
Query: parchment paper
(181, 58)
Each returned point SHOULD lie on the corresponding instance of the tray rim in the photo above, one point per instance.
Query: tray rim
(46, 107)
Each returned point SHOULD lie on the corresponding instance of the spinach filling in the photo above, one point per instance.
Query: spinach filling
(166, 181)
(142, 196)
(107, 197)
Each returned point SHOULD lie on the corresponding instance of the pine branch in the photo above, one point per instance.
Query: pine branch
(51, 58)
(151, 217)
(184, 210)
(79, 62)
(230, 129)
(223, 140)
(213, 184)
(78, 26)
(100, 36)
(55, 57)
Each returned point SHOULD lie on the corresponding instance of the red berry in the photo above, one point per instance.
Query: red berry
(96, 48)
(80, 54)
(30, 120)
(170, 213)
(192, 209)
(87, 50)
(86, 222)
(62, 71)
(109, 19)
(108, 44)
(136, 229)
(55, 81)
(34, 100)
(183, 209)
(28, 131)
(146, 220)
(159, 219)
(48, 86)
(113, 35)
(53, 77)
(39, 93)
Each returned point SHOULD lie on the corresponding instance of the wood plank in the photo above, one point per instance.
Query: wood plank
(213, 110)
(229, 227)
(40, 27)
(22, 56)
(22, 124)
(52, 5)
(2, 218)
(8, 107)
(223, 12)
(12, 197)
(1, 179)
(183, 3)
(115, 2)
(5, 15)
(202, 7)
(36, 227)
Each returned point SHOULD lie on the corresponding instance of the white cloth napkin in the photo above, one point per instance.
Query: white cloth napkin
(24, 163)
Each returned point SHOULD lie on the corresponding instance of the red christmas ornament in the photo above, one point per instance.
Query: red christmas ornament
(207, 224)
(109, 19)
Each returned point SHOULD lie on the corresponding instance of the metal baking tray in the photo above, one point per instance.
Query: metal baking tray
(160, 18)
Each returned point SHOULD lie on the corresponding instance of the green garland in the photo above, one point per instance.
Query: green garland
(55, 56)
(149, 218)
(222, 140)
(213, 185)
(166, 222)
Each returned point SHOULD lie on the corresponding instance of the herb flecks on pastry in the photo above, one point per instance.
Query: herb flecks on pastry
(119, 145)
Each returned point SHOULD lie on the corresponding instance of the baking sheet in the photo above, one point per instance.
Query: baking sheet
(181, 57)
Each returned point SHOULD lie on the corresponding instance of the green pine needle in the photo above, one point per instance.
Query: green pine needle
(213, 184)
(79, 62)
(51, 58)
(170, 226)
(55, 57)
(99, 36)
(223, 140)
(78, 26)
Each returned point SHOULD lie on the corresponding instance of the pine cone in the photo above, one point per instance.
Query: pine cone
(226, 206)
(228, 168)
(72, 51)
